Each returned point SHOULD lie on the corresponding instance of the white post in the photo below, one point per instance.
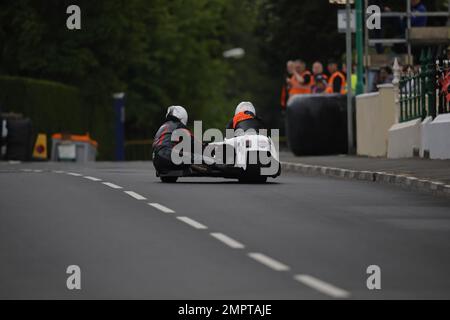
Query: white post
(396, 82)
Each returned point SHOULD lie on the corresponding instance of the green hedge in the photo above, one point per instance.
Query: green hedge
(55, 107)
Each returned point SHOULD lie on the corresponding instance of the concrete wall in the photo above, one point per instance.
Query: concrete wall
(375, 114)
(425, 136)
(439, 140)
(403, 138)
(431, 137)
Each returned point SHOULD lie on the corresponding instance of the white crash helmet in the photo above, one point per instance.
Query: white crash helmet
(178, 112)
(245, 106)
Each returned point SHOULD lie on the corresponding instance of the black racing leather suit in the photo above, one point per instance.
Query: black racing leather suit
(163, 145)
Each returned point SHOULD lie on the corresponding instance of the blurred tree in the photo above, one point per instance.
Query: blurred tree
(158, 52)
(300, 29)
(168, 52)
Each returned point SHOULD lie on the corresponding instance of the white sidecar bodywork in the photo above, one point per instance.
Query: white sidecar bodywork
(253, 149)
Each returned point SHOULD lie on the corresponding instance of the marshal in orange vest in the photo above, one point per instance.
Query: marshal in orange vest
(331, 81)
(297, 88)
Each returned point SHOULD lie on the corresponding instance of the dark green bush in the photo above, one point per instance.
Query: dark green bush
(54, 107)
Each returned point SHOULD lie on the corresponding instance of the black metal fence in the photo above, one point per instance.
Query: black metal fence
(425, 91)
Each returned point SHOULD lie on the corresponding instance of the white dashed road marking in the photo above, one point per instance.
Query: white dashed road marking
(162, 208)
(135, 195)
(74, 174)
(92, 178)
(227, 240)
(322, 286)
(269, 262)
(192, 223)
(310, 281)
(112, 185)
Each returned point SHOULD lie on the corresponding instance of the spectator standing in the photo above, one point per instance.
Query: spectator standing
(320, 83)
(401, 24)
(353, 76)
(320, 78)
(384, 76)
(317, 69)
(287, 84)
(336, 82)
(302, 79)
(418, 21)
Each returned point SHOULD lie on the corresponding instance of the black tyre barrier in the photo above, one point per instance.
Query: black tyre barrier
(316, 124)
(19, 140)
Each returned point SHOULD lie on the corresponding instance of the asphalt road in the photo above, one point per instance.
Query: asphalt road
(293, 238)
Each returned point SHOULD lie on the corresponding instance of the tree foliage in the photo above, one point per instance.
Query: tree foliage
(158, 52)
(168, 52)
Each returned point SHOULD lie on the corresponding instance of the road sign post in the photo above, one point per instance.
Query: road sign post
(348, 37)
(359, 47)
(119, 111)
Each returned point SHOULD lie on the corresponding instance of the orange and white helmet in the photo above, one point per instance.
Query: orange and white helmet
(245, 106)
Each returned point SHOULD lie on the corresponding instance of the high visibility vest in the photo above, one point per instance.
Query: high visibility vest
(354, 79)
(331, 80)
(297, 88)
(241, 116)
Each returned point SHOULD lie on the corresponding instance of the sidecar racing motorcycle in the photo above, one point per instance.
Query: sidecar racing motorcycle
(250, 158)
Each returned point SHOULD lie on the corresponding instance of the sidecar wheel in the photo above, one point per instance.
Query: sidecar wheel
(255, 179)
(169, 179)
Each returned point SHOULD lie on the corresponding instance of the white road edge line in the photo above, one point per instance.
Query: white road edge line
(227, 240)
(74, 174)
(135, 195)
(192, 223)
(160, 207)
(92, 178)
(112, 185)
(322, 286)
(37, 170)
(58, 171)
(268, 262)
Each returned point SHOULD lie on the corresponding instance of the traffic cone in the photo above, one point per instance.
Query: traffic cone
(40, 147)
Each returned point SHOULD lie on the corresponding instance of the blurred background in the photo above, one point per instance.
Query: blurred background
(158, 53)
